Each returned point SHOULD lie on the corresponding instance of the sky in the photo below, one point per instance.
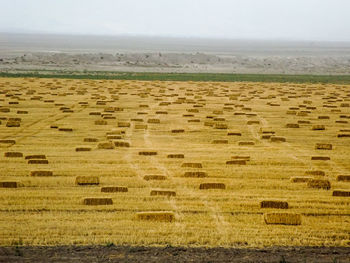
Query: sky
(323, 20)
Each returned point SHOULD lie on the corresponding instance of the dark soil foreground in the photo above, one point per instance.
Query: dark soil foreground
(172, 254)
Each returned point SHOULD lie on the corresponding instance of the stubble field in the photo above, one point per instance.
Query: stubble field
(81, 160)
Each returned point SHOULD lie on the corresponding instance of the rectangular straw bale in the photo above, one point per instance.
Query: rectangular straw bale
(13, 154)
(148, 153)
(112, 189)
(8, 184)
(41, 173)
(38, 161)
(176, 156)
(319, 184)
(98, 201)
(320, 158)
(162, 193)
(274, 204)
(87, 180)
(343, 178)
(195, 174)
(236, 162)
(343, 193)
(315, 173)
(205, 186)
(35, 156)
(154, 177)
(323, 146)
(163, 216)
(282, 218)
(83, 149)
(192, 165)
(300, 179)
(121, 144)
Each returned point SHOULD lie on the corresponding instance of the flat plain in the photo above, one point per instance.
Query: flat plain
(154, 163)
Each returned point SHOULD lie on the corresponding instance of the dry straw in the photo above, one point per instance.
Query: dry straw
(163, 216)
(282, 218)
(87, 180)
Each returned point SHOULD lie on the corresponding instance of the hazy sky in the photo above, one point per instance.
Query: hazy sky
(254, 19)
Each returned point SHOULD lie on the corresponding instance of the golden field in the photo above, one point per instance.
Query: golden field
(253, 142)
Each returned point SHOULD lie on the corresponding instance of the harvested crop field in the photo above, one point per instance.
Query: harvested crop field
(157, 163)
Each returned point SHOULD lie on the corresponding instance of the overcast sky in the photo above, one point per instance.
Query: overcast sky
(252, 19)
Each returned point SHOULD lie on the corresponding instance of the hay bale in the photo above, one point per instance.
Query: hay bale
(9, 184)
(282, 219)
(241, 157)
(277, 139)
(219, 142)
(95, 113)
(167, 193)
(113, 189)
(90, 140)
(205, 186)
(163, 216)
(274, 204)
(121, 144)
(178, 131)
(246, 143)
(54, 127)
(38, 161)
(315, 173)
(319, 184)
(13, 124)
(320, 158)
(343, 135)
(292, 125)
(323, 117)
(234, 133)
(192, 165)
(253, 122)
(35, 156)
(98, 201)
(153, 121)
(141, 126)
(318, 128)
(220, 126)
(343, 193)
(13, 154)
(22, 112)
(148, 153)
(343, 178)
(124, 124)
(87, 180)
(41, 173)
(300, 179)
(66, 129)
(195, 174)
(154, 177)
(323, 146)
(105, 145)
(83, 149)
(8, 141)
(236, 162)
(176, 156)
(101, 122)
